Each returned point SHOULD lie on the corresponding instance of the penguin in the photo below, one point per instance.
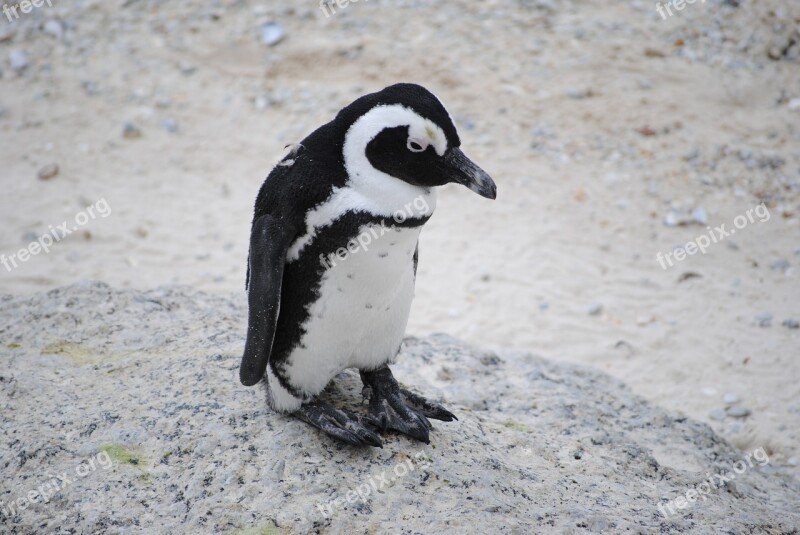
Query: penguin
(333, 259)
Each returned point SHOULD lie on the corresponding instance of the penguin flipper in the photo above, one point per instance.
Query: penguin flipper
(270, 238)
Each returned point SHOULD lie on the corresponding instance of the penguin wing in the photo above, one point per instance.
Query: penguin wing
(270, 238)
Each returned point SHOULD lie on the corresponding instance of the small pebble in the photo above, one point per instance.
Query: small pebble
(688, 275)
(764, 319)
(692, 155)
(7, 34)
(170, 125)
(261, 102)
(737, 412)
(625, 347)
(131, 131)
(272, 33)
(781, 265)
(48, 171)
(730, 398)
(186, 69)
(54, 28)
(791, 324)
(595, 310)
(700, 216)
(18, 60)
(675, 218)
(578, 94)
(90, 87)
(645, 320)
(717, 414)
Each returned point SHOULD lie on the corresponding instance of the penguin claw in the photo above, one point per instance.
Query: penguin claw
(426, 407)
(391, 407)
(341, 424)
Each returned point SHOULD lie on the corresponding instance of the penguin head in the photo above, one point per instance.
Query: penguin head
(405, 132)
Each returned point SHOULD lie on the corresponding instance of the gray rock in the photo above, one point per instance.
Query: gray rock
(187, 69)
(764, 319)
(700, 216)
(90, 87)
(48, 171)
(737, 412)
(7, 34)
(149, 382)
(595, 309)
(781, 265)
(272, 33)
(717, 414)
(676, 218)
(131, 131)
(54, 28)
(29, 236)
(18, 60)
(170, 125)
(579, 93)
(791, 324)
(730, 398)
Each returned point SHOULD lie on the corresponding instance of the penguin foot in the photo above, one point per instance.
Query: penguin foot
(392, 407)
(341, 424)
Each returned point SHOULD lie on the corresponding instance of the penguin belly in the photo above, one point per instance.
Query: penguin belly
(360, 317)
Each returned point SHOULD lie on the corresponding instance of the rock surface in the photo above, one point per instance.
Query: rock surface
(130, 402)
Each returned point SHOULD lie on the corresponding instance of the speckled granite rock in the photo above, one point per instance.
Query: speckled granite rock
(123, 408)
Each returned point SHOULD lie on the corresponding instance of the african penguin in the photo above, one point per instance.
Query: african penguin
(333, 259)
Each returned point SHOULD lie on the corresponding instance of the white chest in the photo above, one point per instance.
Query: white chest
(364, 301)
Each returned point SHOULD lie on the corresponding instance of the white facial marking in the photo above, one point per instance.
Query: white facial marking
(379, 118)
(368, 189)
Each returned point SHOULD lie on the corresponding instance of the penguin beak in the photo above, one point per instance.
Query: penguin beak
(459, 168)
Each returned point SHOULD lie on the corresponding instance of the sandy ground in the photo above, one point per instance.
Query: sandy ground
(598, 120)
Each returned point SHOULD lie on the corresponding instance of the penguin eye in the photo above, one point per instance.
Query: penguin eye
(415, 145)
